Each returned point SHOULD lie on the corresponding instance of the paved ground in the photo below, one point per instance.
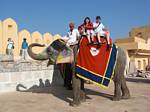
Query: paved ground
(57, 99)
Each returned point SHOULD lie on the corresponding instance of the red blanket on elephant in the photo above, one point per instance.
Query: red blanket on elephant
(96, 63)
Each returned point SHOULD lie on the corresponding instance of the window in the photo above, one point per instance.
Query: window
(10, 31)
(10, 26)
(139, 64)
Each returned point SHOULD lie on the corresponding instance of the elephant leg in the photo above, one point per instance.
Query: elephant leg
(117, 89)
(68, 76)
(76, 91)
(82, 96)
(124, 89)
(82, 93)
(77, 83)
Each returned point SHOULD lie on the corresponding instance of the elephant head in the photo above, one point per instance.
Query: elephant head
(51, 53)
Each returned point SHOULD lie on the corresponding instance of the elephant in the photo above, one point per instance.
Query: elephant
(121, 90)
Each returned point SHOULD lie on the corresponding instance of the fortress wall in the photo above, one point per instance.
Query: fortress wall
(56, 37)
(37, 38)
(1, 37)
(9, 29)
(47, 38)
(11, 79)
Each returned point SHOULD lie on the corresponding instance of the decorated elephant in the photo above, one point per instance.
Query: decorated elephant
(52, 52)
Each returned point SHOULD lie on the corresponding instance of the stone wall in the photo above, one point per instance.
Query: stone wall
(23, 73)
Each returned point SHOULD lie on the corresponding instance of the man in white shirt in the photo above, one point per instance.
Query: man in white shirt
(72, 36)
(100, 30)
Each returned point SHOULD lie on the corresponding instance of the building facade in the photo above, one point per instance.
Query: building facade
(137, 48)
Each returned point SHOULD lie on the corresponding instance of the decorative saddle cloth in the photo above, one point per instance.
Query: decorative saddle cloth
(96, 63)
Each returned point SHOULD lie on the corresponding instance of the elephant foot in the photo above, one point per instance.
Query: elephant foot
(69, 88)
(83, 100)
(125, 97)
(82, 97)
(75, 104)
(115, 98)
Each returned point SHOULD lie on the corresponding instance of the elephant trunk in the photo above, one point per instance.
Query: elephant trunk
(40, 56)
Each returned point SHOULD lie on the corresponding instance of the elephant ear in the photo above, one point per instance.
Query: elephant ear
(59, 52)
(50, 62)
(59, 45)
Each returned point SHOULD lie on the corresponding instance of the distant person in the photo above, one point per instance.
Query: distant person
(24, 49)
(10, 47)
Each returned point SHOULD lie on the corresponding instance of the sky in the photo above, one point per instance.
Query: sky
(53, 16)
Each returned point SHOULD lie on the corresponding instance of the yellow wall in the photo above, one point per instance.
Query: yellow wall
(37, 38)
(48, 38)
(9, 29)
(56, 37)
(1, 37)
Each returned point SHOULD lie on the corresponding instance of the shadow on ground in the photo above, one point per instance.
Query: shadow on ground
(56, 88)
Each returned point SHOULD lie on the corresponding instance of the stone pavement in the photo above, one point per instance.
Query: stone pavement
(56, 99)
